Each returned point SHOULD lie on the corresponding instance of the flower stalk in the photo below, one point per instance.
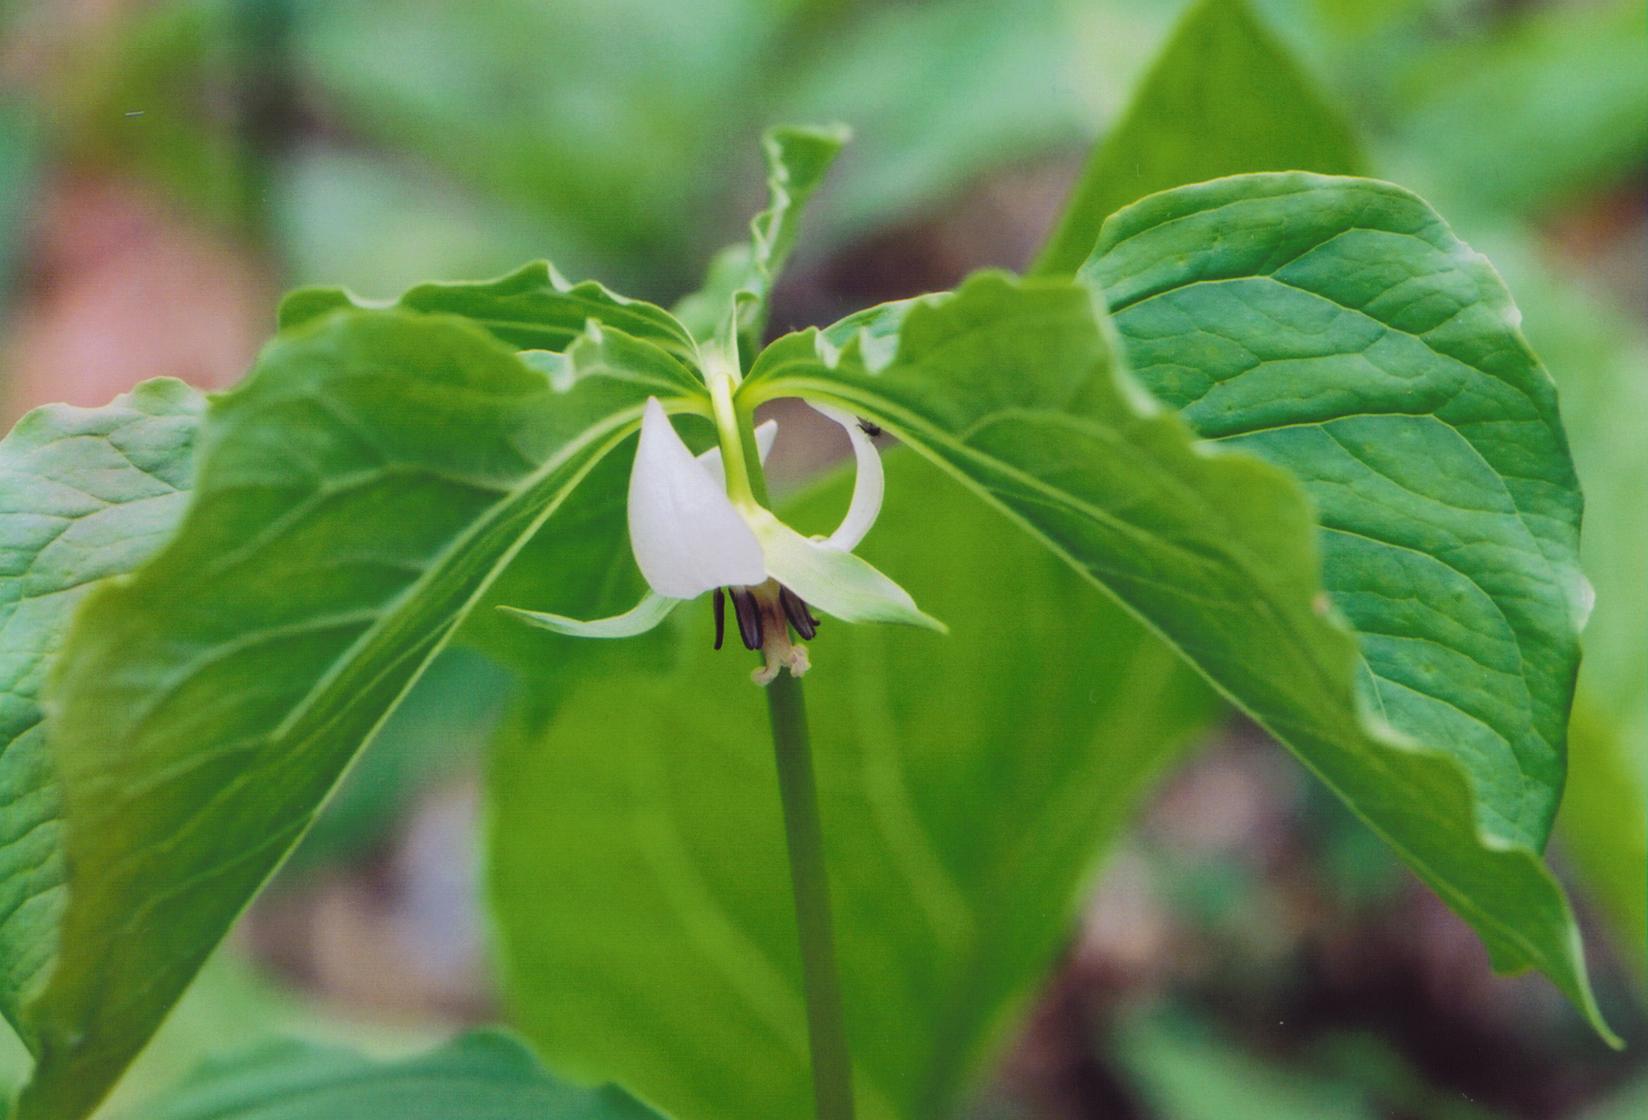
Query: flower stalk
(804, 841)
(803, 836)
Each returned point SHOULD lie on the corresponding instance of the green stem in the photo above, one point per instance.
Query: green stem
(826, 1028)
(803, 835)
(738, 455)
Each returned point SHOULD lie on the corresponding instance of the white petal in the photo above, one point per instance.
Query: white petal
(710, 460)
(686, 534)
(642, 617)
(835, 581)
(869, 483)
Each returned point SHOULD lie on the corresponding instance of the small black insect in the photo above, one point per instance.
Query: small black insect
(869, 429)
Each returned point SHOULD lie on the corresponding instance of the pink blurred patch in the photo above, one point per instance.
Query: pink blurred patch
(119, 290)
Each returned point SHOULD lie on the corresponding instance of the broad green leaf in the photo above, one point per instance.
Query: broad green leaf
(1222, 98)
(737, 294)
(968, 784)
(85, 493)
(1014, 388)
(532, 308)
(583, 565)
(354, 498)
(1338, 328)
(484, 1075)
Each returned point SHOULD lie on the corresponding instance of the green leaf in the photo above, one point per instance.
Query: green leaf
(737, 294)
(583, 565)
(484, 1075)
(84, 494)
(1222, 98)
(797, 160)
(1338, 328)
(202, 709)
(1014, 388)
(968, 783)
(532, 308)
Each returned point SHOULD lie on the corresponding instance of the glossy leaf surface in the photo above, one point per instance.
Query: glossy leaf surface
(1339, 329)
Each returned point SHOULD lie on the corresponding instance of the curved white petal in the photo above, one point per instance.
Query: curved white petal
(643, 616)
(710, 460)
(686, 534)
(869, 483)
(835, 581)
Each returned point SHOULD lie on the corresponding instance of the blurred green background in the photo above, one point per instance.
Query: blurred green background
(167, 168)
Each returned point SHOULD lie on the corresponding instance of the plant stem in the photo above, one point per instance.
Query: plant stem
(731, 433)
(826, 1028)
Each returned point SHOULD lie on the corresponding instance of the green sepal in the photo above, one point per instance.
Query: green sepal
(645, 616)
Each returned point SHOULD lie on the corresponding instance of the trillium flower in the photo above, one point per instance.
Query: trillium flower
(691, 536)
